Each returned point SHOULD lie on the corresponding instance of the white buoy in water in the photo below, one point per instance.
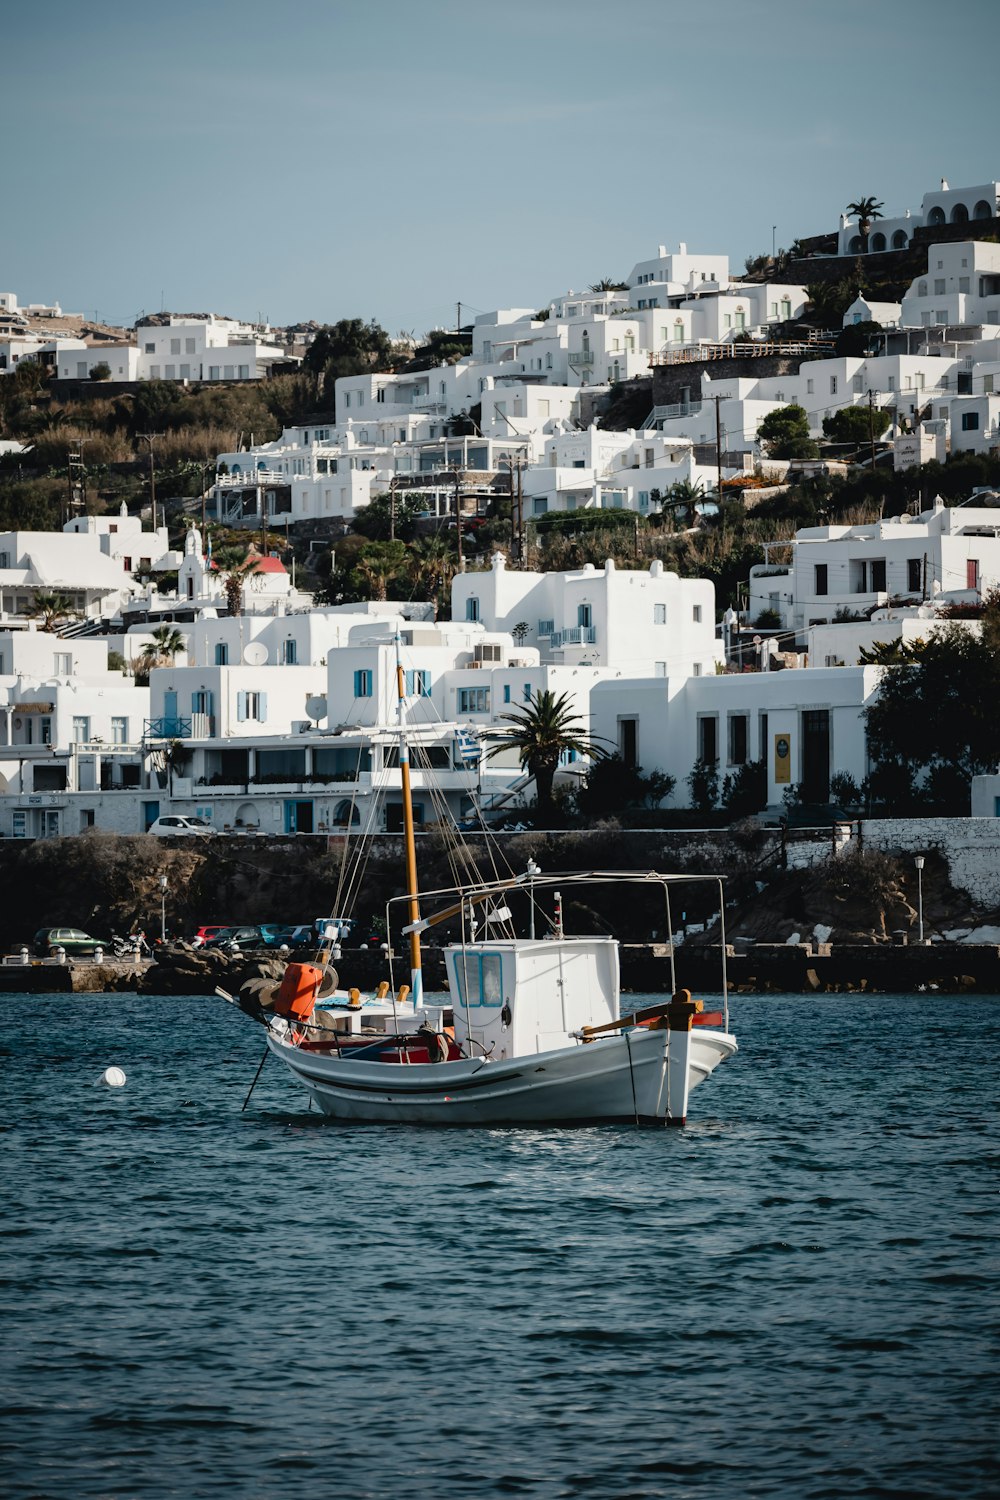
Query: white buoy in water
(113, 1077)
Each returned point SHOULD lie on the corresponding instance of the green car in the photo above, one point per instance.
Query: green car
(48, 939)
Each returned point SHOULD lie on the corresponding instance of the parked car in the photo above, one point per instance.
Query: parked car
(172, 825)
(247, 937)
(206, 934)
(48, 939)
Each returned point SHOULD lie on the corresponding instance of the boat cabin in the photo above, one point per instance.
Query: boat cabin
(519, 996)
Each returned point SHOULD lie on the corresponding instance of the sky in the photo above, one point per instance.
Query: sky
(388, 159)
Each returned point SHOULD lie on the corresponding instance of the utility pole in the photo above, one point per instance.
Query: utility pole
(522, 530)
(458, 321)
(458, 522)
(718, 447)
(871, 424)
(76, 480)
(392, 507)
(150, 438)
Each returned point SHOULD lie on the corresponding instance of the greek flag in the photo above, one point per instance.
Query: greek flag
(468, 747)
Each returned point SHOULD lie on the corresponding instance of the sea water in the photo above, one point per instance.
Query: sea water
(793, 1296)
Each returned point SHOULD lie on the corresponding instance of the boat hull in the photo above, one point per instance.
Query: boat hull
(622, 1077)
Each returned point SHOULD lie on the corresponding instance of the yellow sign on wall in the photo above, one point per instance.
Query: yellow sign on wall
(782, 759)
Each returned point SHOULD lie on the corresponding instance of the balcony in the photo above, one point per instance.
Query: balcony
(166, 729)
(576, 635)
(582, 358)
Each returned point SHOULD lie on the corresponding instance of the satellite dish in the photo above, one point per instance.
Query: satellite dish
(316, 708)
(255, 654)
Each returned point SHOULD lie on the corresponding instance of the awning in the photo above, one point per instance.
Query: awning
(31, 708)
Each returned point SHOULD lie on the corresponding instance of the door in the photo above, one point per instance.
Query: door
(816, 755)
(298, 817)
(150, 813)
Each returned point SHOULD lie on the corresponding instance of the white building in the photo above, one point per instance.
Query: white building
(960, 286)
(945, 205)
(953, 551)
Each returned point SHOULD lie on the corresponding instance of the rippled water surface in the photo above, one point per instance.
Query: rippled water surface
(793, 1296)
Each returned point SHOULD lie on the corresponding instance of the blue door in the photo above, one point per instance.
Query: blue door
(150, 813)
(298, 817)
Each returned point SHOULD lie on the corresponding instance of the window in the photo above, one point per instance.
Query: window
(472, 608)
(81, 730)
(526, 692)
(892, 382)
(119, 731)
(189, 346)
(478, 976)
(506, 692)
(45, 727)
(546, 627)
(149, 348)
(251, 705)
(972, 573)
(473, 700)
(221, 654)
(739, 735)
(970, 421)
(659, 614)
(921, 289)
(175, 346)
(363, 683)
(810, 386)
(833, 385)
(877, 571)
(913, 567)
(988, 384)
(63, 664)
(963, 283)
(939, 287)
(289, 652)
(708, 739)
(696, 613)
(822, 578)
(201, 701)
(585, 615)
(858, 384)
(213, 372)
(418, 683)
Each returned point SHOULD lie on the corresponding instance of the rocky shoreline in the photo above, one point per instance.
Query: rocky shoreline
(776, 968)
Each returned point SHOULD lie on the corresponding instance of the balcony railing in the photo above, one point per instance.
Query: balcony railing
(580, 357)
(166, 729)
(576, 635)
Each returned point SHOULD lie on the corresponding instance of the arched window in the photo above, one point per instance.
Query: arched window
(855, 244)
(960, 214)
(236, 469)
(936, 216)
(899, 240)
(346, 815)
(983, 210)
(877, 241)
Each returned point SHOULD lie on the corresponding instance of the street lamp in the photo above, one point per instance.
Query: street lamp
(163, 908)
(533, 870)
(919, 862)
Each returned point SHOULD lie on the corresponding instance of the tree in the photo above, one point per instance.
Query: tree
(350, 347)
(685, 496)
(433, 563)
(867, 210)
(935, 722)
(234, 581)
(166, 643)
(544, 731)
(376, 564)
(785, 433)
(608, 284)
(520, 632)
(374, 520)
(100, 371)
(857, 340)
(744, 791)
(612, 786)
(52, 610)
(703, 785)
(856, 424)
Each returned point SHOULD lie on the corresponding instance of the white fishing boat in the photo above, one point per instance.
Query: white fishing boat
(531, 1031)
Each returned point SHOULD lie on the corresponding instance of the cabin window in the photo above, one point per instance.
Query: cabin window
(478, 976)
(363, 683)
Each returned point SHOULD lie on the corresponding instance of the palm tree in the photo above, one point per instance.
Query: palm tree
(433, 563)
(608, 284)
(377, 563)
(867, 210)
(234, 580)
(543, 732)
(52, 609)
(686, 496)
(167, 642)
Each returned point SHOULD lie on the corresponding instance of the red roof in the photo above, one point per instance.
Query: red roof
(270, 565)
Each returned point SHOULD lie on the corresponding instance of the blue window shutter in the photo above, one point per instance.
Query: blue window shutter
(408, 685)
(241, 706)
(357, 684)
(506, 692)
(170, 705)
(262, 699)
(195, 698)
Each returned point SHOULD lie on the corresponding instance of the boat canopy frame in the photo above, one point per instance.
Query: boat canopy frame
(464, 896)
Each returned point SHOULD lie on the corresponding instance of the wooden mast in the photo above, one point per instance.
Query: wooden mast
(413, 904)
